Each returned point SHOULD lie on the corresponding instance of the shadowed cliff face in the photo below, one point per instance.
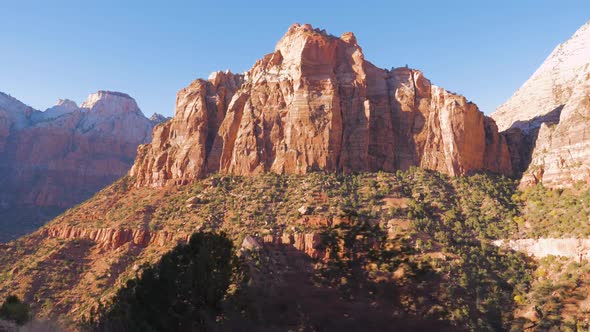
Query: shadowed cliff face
(55, 159)
(316, 103)
(522, 138)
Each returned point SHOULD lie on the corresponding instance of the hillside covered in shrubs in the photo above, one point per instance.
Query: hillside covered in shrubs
(412, 249)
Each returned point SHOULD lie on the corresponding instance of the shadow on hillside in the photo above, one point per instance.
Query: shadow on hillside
(284, 293)
(21, 220)
(522, 138)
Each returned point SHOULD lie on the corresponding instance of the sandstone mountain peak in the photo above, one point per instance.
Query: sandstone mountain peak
(14, 115)
(111, 102)
(298, 35)
(63, 106)
(550, 86)
(67, 103)
(317, 104)
(349, 37)
(584, 29)
(366, 190)
(225, 77)
(306, 30)
(158, 118)
(548, 117)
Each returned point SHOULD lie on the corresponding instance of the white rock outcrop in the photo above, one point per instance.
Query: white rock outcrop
(551, 86)
(539, 248)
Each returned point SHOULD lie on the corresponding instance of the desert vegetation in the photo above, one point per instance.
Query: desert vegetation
(412, 247)
(554, 212)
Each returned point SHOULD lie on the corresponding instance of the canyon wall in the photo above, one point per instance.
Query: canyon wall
(316, 103)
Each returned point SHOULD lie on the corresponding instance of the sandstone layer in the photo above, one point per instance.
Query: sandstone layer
(113, 238)
(316, 103)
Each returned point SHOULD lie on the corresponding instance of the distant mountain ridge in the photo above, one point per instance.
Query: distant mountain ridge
(157, 118)
(52, 160)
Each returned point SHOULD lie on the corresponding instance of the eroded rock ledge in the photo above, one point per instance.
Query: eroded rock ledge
(111, 238)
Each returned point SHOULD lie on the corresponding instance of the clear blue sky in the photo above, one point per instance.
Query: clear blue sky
(150, 49)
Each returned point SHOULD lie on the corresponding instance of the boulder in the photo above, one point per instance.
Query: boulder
(250, 244)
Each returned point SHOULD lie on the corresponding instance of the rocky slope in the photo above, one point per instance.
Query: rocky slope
(547, 118)
(55, 159)
(316, 103)
(368, 244)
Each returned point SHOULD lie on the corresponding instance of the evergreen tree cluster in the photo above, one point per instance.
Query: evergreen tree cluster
(13, 309)
(181, 293)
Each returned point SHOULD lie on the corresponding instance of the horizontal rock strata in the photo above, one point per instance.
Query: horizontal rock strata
(316, 103)
(112, 238)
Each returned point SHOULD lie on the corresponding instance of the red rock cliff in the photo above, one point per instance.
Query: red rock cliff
(316, 103)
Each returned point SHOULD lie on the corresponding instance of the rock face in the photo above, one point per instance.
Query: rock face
(64, 155)
(547, 118)
(113, 238)
(561, 156)
(308, 243)
(316, 103)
